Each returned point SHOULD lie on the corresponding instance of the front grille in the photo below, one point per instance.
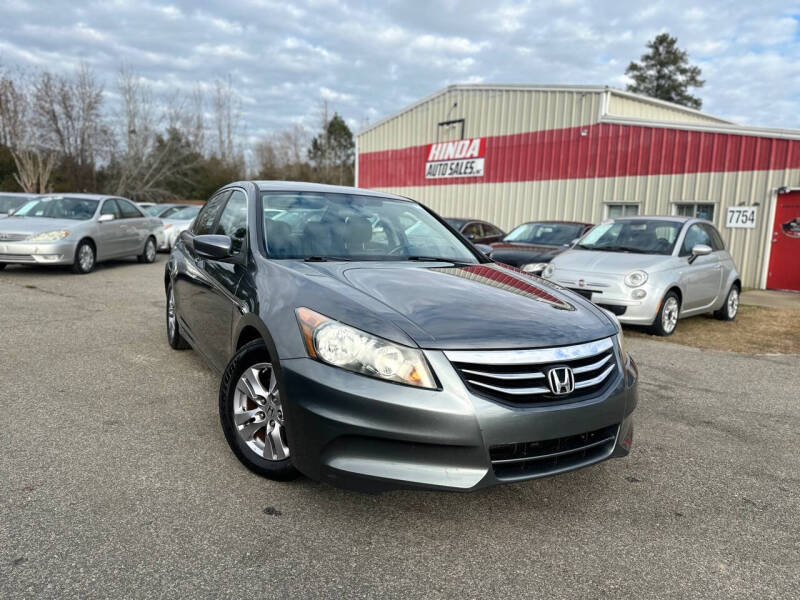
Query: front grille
(520, 376)
(546, 457)
(614, 308)
(585, 293)
(17, 258)
(13, 237)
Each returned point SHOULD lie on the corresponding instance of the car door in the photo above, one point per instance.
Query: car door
(193, 285)
(110, 236)
(702, 278)
(134, 227)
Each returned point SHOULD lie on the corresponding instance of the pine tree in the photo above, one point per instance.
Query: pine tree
(665, 73)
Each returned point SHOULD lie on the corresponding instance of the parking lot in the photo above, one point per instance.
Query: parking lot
(115, 480)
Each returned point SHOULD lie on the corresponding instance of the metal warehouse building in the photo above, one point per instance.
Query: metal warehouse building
(509, 154)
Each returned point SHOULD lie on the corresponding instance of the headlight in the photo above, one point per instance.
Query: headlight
(49, 236)
(349, 348)
(635, 278)
(534, 267)
(548, 271)
(623, 352)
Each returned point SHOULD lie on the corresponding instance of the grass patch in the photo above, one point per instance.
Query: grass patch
(756, 330)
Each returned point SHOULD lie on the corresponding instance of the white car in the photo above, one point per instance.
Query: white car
(176, 223)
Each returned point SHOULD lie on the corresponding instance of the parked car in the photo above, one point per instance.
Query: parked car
(77, 229)
(9, 202)
(477, 232)
(145, 205)
(358, 356)
(162, 211)
(652, 271)
(531, 246)
(176, 222)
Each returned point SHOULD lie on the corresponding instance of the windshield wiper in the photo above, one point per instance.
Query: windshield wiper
(435, 259)
(614, 249)
(326, 258)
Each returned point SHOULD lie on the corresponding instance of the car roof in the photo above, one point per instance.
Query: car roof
(303, 186)
(559, 222)
(79, 196)
(19, 194)
(677, 218)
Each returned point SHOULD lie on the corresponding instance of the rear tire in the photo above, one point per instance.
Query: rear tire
(252, 416)
(148, 254)
(174, 337)
(667, 318)
(3, 266)
(730, 309)
(85, 258)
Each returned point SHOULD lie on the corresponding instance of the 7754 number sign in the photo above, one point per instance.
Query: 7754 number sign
(741, 217)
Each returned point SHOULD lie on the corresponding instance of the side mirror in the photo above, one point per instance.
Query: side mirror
(10, 212)
(699, 250)
(105, 218)
(212, 246)
(470, 236)
(573, 242)
(487, 250)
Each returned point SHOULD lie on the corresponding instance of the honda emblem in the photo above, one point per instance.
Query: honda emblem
(561, 380)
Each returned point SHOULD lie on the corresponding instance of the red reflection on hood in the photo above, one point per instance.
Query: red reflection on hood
(508, 278)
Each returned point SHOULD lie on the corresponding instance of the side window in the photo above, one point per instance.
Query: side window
(491, 230)
(714, 236)
(473, 230)
(233, 221)
(110, 208)
(128, 210)
(170, 211)
(695, 235)
(205, 219)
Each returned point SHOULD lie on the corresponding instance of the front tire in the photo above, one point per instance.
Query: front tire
(174, 337)
(252, 416)
(85, 258)
(3, 266)
(667, 316)
(730, 309)
(148, 254)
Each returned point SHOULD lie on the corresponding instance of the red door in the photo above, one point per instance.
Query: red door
(784, 260)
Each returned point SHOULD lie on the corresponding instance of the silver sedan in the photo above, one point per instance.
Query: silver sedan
(652, 271)
(79, 230)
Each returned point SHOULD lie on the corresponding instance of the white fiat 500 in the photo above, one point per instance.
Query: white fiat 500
(652, 271)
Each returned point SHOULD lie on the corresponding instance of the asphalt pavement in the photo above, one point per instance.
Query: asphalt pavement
(116, 481)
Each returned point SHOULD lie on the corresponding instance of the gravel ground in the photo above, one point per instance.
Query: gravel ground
(115, 480)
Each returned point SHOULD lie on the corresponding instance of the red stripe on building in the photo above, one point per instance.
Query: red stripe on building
(605, 150)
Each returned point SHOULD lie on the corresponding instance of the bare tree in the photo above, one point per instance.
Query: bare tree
(14, 108)
(158, 139)
(227, 119)
(33, 170)
(68, 116)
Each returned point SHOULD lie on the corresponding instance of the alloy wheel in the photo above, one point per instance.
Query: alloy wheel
(86, 257)
(258, 413)
(669, 317)
(171, 319)
(150, 251)
(733, 302)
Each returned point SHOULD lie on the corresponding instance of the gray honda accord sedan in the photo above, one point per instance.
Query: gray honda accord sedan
(358, 354)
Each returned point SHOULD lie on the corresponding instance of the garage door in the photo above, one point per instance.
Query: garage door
(784, 260)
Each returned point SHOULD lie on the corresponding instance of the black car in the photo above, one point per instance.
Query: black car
(532, 245)
(477, 232)
(370, 347)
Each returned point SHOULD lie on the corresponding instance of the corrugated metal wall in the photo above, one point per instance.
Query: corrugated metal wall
(620, 105)
(486, 112)
(509, 204)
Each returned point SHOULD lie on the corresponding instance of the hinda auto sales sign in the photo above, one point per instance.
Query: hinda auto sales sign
(459, 158)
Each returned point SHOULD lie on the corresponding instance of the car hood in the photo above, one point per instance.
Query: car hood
(521, 254)
(475, 306)
(592, 261)
(37, 224)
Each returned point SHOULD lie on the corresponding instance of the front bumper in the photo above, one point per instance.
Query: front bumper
(610, 293)
(45, 253)
(362, 433)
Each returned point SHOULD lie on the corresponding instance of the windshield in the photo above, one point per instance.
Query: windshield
(184, 214)
(643, 236)
(8, 203)
(546, 234)
(321, 226)
(59, 207)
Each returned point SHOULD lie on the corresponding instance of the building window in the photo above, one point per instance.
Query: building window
(699, 211)
(615, 211)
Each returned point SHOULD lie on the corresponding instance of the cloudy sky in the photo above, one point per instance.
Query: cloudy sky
(369, 59)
